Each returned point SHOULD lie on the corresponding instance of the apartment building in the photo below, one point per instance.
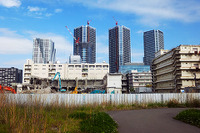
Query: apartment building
(10, 75)
(86, 47)
(119, 47)
(139, 80)
(153, 42)
(177, 70)
(68, 71)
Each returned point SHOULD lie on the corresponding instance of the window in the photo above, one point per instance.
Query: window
(196, 65)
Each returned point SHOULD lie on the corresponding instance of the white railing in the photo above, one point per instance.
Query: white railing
(90, 99)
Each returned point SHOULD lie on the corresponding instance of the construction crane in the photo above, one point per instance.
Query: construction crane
(6, 88)
(59, 80)
(88, 22)
(76, 40)
(116, 22)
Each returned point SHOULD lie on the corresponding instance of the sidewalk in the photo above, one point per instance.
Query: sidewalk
(151, 121)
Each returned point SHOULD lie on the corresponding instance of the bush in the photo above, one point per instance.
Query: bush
(173, 104)
(193, 103)
(78, 115)
(98, 123)
(190, 116)
(156, 105)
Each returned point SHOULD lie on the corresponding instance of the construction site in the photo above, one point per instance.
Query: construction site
(44, 85)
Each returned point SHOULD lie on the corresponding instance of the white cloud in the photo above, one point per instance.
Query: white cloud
(13, 43)
(48, 14)
(18, 63)
(151, 12)
(58, 10)
(10, 3)
(36, 9)
(140, 31)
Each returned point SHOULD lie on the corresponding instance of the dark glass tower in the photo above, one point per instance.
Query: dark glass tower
(86, 47)
(153, 42)
(119, 47)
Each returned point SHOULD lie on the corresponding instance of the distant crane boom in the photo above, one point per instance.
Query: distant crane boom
(116, 22)
(76, 40)
(88, 22)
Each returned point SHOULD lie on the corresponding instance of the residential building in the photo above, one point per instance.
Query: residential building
(140, 67)
(177, 70)
(74, 59)
(81, 71)
(119, 47)
(153, 42)
(140, 81)
(10, 75)
(43, 51)
(86, 47)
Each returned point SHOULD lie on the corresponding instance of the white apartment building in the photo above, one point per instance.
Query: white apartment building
(67, 71)
(138, 80)
(177, 70)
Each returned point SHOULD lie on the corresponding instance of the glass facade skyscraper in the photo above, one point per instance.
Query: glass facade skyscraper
(43, 51)
(119, 47)
(153, 42)
(86, 47)
(140, 67)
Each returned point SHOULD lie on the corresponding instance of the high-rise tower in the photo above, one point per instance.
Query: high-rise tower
(119, 47)
(86, 47)
(153, 42)
(43, 51)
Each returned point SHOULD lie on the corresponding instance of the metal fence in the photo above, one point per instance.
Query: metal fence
(89, 99)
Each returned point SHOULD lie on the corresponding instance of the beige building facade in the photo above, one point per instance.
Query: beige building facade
(67, 71)
(139, 80)
(177, 70)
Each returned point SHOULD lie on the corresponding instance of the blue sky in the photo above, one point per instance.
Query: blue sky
(23, 20)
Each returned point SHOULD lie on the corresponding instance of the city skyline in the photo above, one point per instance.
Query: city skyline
(21, 21)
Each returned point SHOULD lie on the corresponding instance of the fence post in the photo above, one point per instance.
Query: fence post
(161, 98)
(110, 99)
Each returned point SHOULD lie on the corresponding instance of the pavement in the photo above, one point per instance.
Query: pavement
(151, 121)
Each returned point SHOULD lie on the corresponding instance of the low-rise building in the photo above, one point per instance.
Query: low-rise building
(67, 71)
(113, 83)
(177, 70)
(140, 81)
(10, 75)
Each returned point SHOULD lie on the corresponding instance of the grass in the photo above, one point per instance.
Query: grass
(58, 118)
(190, 116)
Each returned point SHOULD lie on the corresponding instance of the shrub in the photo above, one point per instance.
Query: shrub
(190, 116)
(78, 115)
(173, 104)
(98, 123)
(193, 103)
